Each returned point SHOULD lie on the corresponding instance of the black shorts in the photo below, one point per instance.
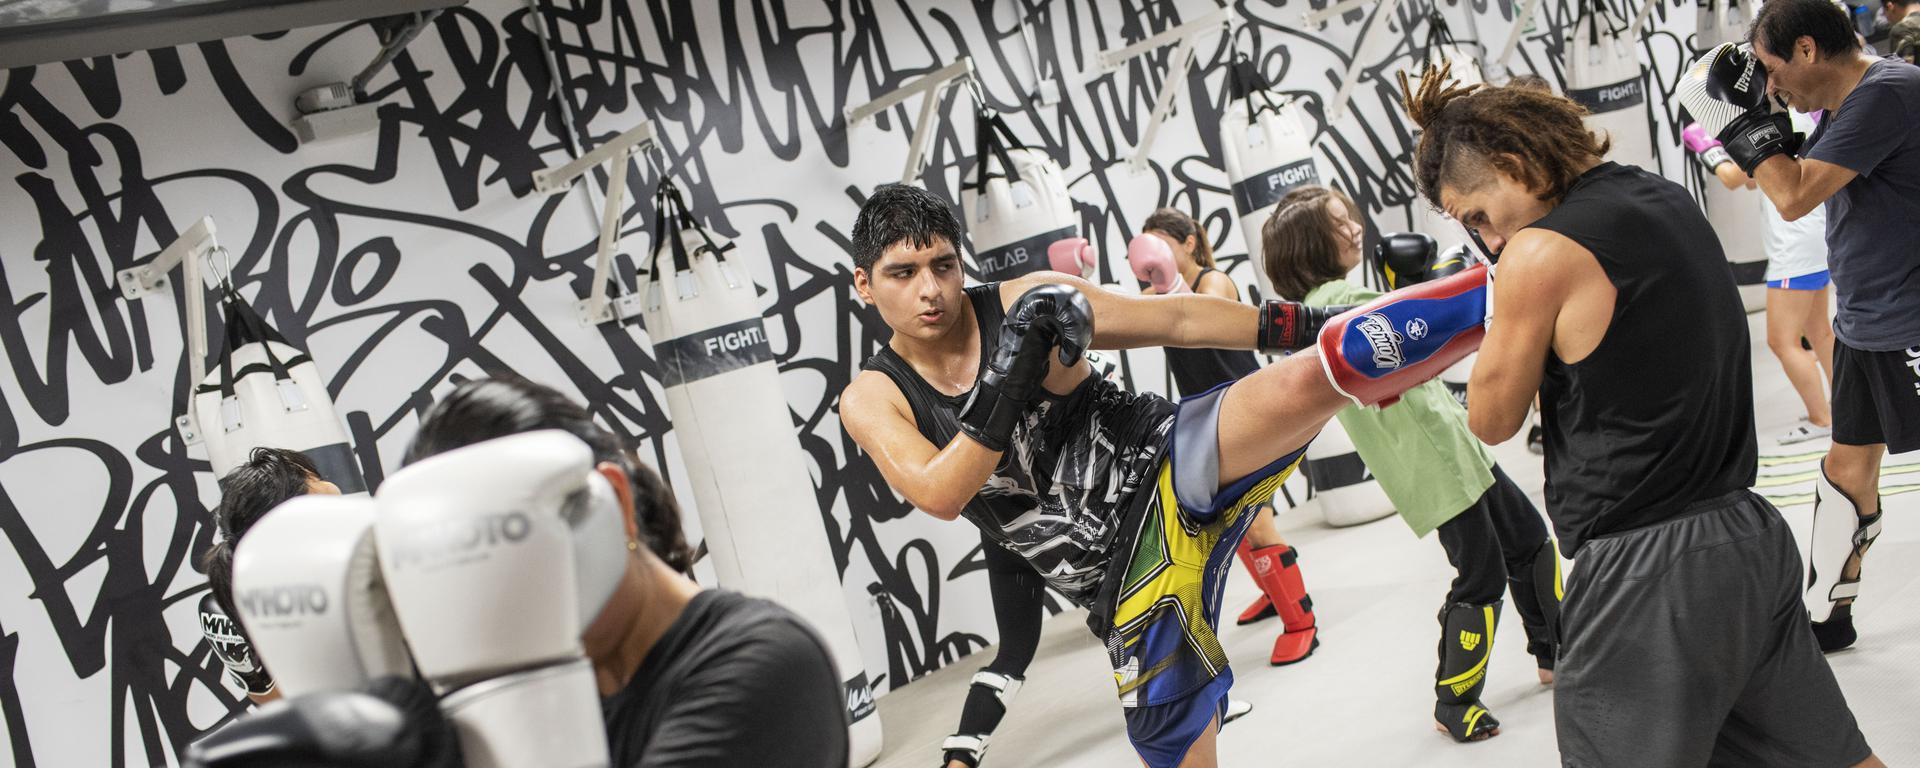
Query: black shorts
(1686, 643)
(1876, 397)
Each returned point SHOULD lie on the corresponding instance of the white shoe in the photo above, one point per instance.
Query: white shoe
(1236, 708)
(1804, 432)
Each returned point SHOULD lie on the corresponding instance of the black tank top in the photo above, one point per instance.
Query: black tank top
(1067, 480)
(1198, 370)
(1661, 413)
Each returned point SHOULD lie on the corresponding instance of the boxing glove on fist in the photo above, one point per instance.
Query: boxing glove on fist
(1407, 258)
(1074, 256)
(1042, 319)
(1152, 261)
(392, 722)
(1704, 147)
(1726, 91)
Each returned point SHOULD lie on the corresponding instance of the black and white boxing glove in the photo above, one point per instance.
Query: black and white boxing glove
(1043, 319)
(231, 647)
(392, 722)
(1726, 91)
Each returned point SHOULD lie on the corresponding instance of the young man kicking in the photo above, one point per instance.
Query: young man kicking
(1682, 638)
(981, 407)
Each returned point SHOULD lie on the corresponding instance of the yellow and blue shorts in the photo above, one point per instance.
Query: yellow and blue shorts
(1167, 659)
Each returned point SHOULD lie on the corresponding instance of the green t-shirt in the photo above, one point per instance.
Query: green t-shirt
(1419, 449)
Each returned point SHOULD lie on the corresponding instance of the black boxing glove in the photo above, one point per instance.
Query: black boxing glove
(392, 722)
(1041, 320)
(1726, 92)
(1405, 258)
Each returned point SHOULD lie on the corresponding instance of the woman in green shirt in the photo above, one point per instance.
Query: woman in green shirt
(1437, 474)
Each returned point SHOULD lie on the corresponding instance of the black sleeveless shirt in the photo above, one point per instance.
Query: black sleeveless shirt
(1661, 413)
(1198, 370)
(1068, 478)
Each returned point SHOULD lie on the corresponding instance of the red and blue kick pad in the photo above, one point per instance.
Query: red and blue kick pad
(1374, 352)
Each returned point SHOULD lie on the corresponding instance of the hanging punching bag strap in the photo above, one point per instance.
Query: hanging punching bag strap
(668, 213)
(686, 221)
(992, 137)
(1439, 35)
(252, 328)
(1244, 82)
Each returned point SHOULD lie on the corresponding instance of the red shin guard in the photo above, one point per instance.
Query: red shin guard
(1262, 607)
(1277, 572)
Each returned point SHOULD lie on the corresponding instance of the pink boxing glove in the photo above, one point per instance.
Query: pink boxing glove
(1152, 262)
(1074, 256)
(1704, 147)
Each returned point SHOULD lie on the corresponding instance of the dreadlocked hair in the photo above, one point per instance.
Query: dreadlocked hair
(1535, 137)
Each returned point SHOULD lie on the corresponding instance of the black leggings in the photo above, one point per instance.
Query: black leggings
(1019, 603)
(1492, 546)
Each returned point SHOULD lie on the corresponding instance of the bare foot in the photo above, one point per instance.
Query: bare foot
(1546, 677)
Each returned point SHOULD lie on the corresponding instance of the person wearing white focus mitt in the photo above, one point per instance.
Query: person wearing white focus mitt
(687, 677)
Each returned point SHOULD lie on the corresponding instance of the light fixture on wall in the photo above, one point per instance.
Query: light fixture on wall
(960, 72)
(597, 308)
(338, 110)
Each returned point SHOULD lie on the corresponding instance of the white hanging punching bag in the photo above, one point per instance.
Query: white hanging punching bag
(1604, 75)
(1738, 216)
(1440, 48)
(1267, 143)
(266, 393)
(1343, 488)
(1013, 214)
(737, 439)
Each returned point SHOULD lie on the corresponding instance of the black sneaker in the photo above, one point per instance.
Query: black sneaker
(1536, 441)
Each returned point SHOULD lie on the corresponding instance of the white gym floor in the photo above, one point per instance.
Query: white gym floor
(1365, 698)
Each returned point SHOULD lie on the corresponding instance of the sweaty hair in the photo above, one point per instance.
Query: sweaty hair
(1178, 225)
(270, 476)
(1531, 82)
(484, 409)
(1468, 131)
(1780, 23)
(901, 213)
(1300, 243)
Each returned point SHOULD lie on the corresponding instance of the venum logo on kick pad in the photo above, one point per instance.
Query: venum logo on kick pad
(1383, 339)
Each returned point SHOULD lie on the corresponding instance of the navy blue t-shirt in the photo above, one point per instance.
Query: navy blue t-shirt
(1871, 222)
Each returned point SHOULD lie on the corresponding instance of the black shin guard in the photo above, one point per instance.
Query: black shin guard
(1466, 644)
(1537, 591)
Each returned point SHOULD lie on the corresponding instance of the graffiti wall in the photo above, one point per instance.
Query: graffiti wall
(416, 256)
